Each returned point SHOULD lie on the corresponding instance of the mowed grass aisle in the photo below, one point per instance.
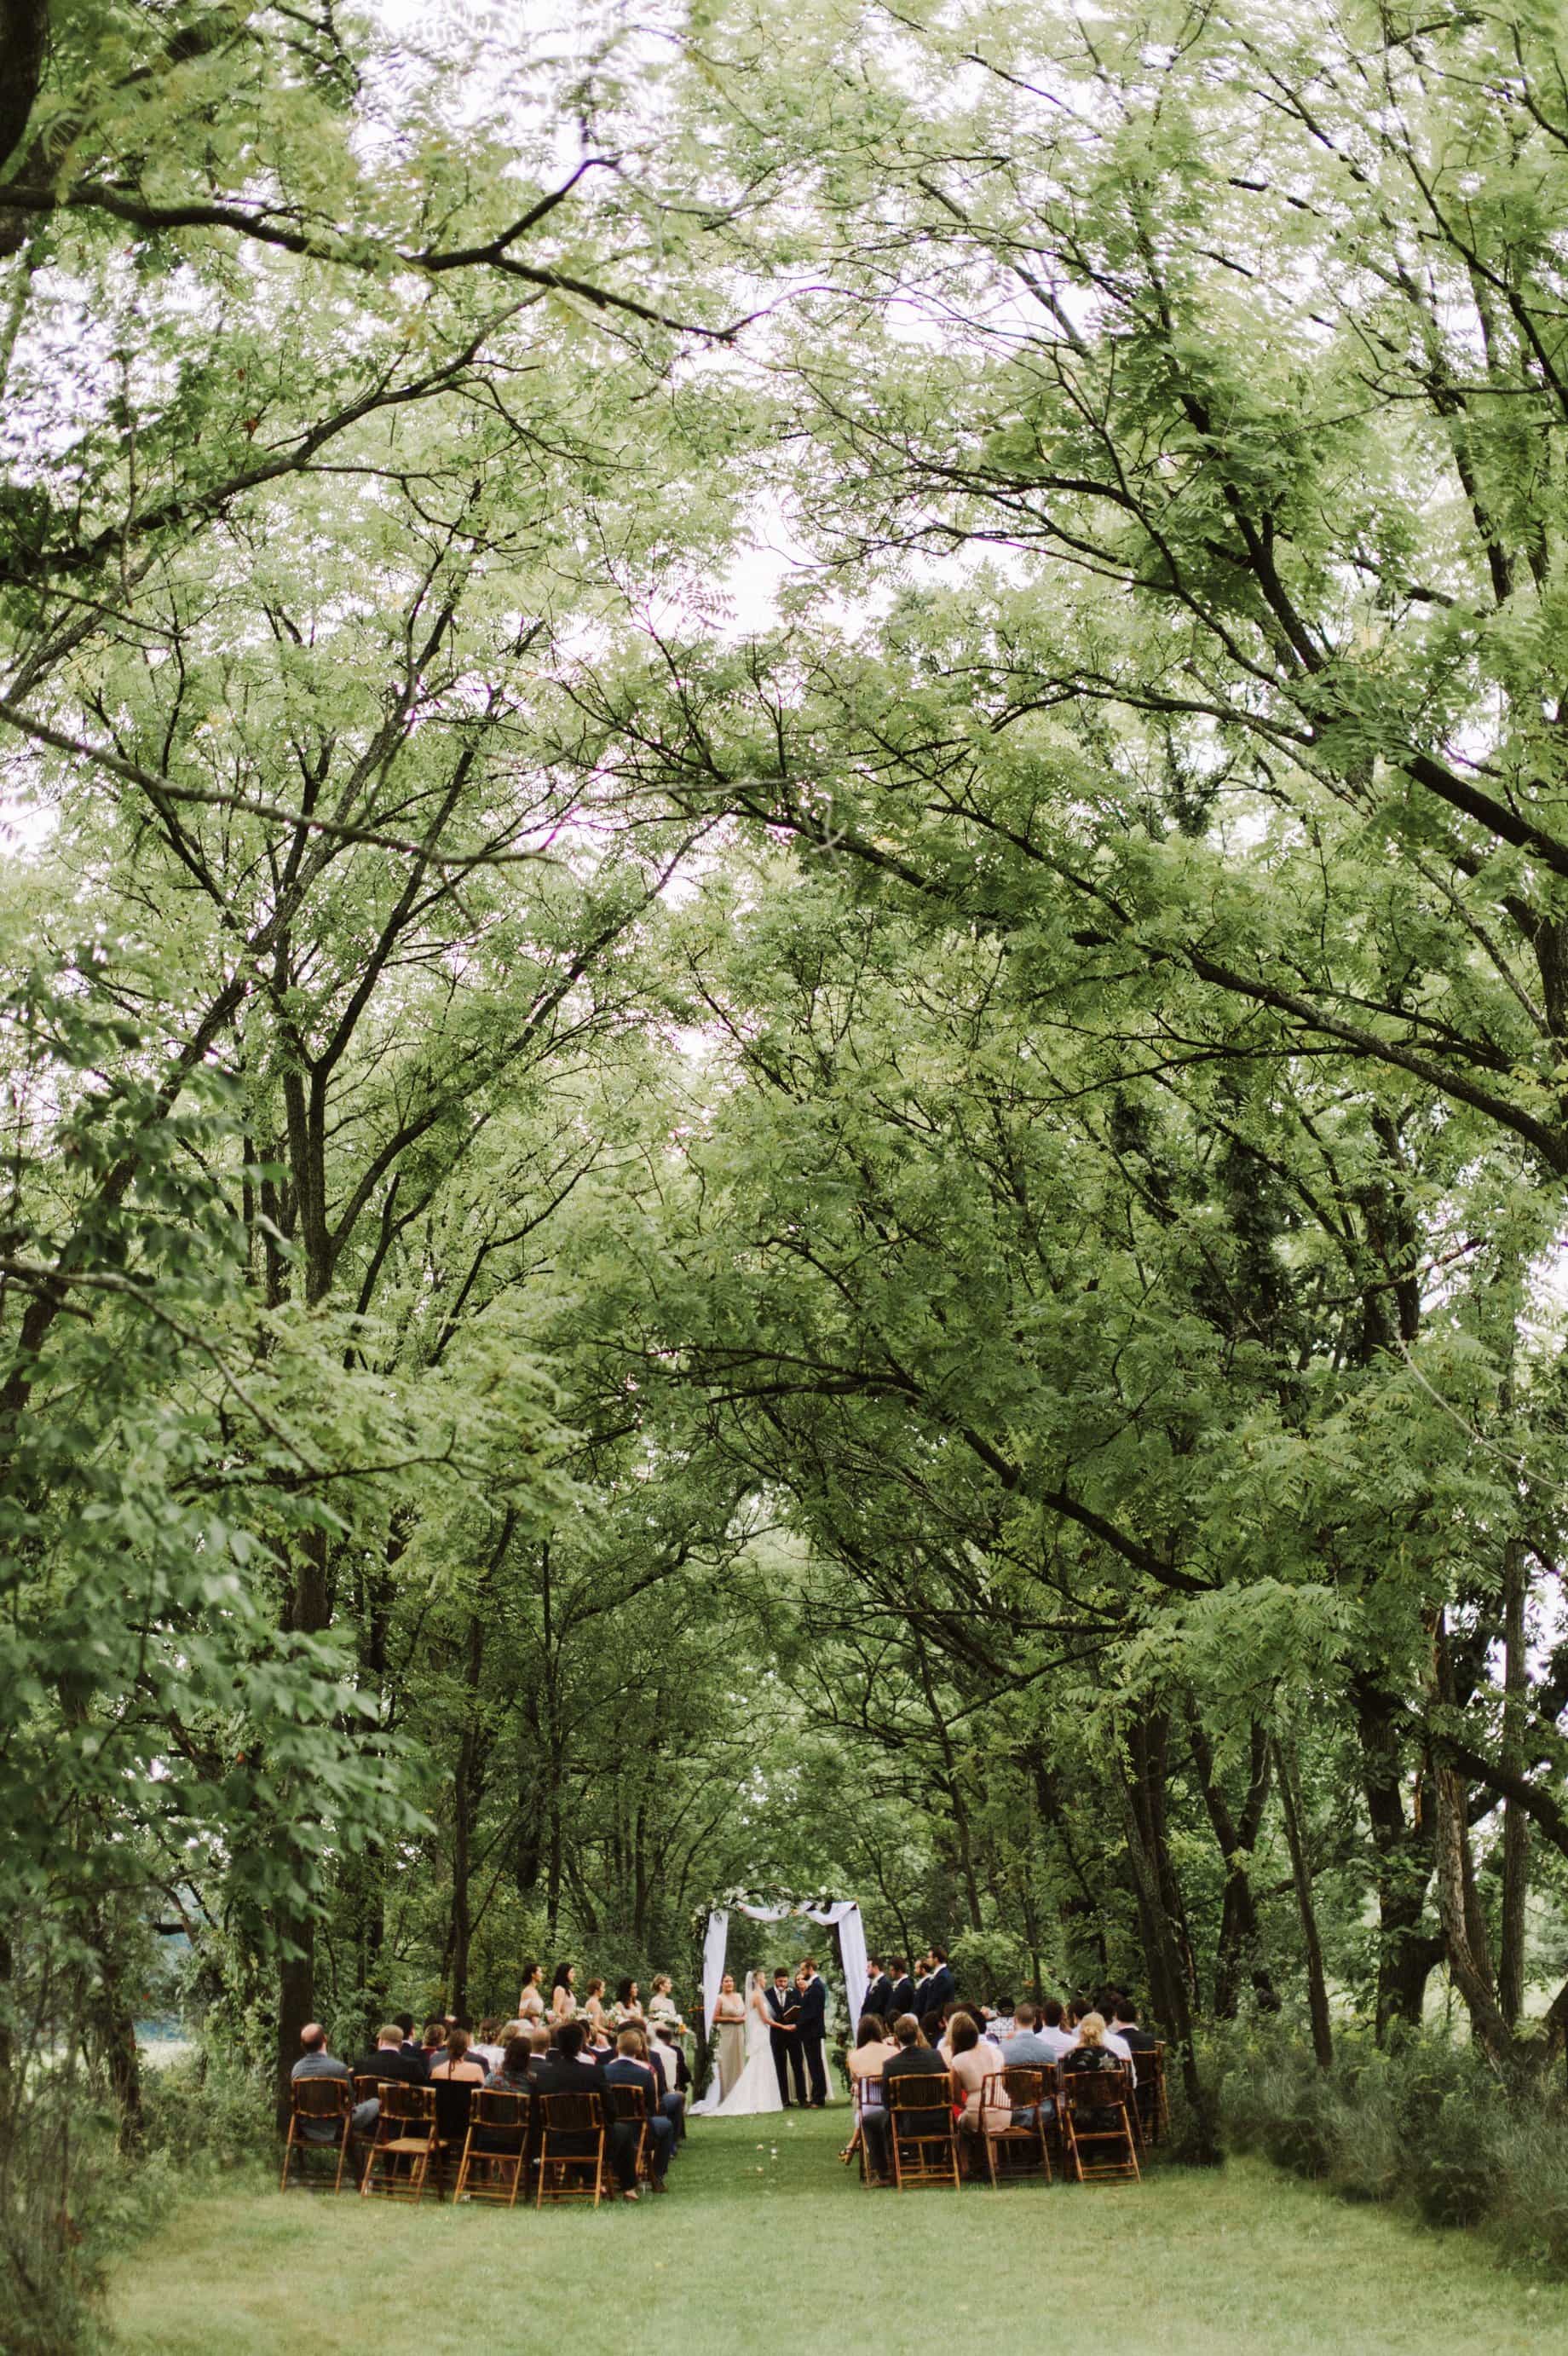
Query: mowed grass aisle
(766, 2244)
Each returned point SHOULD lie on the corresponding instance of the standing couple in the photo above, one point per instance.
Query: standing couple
(786, 2028)
(797, 2028)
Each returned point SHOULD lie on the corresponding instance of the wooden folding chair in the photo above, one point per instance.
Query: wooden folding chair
(630, 2105)
(1028, 2091)
(365, 2090)
(453, 2097)
(868, 2097)
(1151, 2095)
(317, 2101)
(406, 2143)
(1097, 2131)
(571, 2141)
(928, 2155)
(495, 2146)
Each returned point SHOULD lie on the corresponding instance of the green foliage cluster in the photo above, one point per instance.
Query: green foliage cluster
(1425, 2124)
(896, 1227)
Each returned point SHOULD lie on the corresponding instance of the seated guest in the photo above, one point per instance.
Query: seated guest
(484, 2047)
(1115, 2045)
(568, 2070)
(1051, 2027)
(1136, 2040)
(913, 2059)
(316, 2062)
(434, 2044)
(393, 2061)
(630, 2068)
(456, 2063)
(973, 2059)
(677, 2069)
(540, 2038)
(1026, 2049)
(661, 2059)
(512, 2076)
(1091, 2054)
(1000, 2018)
(405, 2021)
(873, 2049)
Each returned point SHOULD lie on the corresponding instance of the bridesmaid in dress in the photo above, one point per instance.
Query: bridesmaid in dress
(594, 2005)
(530, 2003)
(729, 2025)
(562, 2003)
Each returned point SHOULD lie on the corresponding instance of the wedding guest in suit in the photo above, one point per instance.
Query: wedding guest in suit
(628, 2068)
(405, 2021)
(813, 2030)
(903, 1996)
(392, 2060)
(1136, 2040)
(566, 2069)
(878, 1989)
(316, 2062)
(940, 1987)
(913, 2059)
(785, 2038)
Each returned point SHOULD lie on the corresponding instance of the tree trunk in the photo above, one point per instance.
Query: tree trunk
(1406, 1954)
(1301, 1875)
(1238, 1949)
(1458, 1906)
(1168, 1982)
(1516, 1824)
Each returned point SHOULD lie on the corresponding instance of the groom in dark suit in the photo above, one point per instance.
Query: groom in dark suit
(812, 2030)
(784, 2036)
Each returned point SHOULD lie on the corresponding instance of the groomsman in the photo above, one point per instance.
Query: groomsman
(811, 1996)
(902, 1997)
(879, 1989)
(936, 1989)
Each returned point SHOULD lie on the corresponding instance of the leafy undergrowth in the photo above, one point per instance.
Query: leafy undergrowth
(1426, 2124)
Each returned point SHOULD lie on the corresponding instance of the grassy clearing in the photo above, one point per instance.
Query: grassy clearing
(766, 2242)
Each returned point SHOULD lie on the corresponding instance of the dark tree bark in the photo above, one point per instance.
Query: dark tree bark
(1516, 1824)
(1301, 1876)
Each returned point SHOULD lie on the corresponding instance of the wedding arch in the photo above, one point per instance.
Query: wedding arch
(840, 1915)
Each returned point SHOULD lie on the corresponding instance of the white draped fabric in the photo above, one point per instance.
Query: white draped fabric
(843, 1916)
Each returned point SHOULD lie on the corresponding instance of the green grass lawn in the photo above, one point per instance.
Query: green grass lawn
(766, 2242)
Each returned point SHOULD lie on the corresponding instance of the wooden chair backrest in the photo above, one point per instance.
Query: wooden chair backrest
(500, 2110)
(571, 2114)
(927, 2090)
(1022, 2083)
(322, 2098)
(625, 2102)
(1097, 2089)
(366, 2088)
(416, 2105)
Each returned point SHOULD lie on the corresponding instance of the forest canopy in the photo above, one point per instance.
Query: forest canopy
(785, 992)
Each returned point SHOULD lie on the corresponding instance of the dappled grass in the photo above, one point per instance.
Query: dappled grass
(766, 2242)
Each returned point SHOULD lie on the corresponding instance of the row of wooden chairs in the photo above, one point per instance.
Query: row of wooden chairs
(407, 2147)
(1097, 2123)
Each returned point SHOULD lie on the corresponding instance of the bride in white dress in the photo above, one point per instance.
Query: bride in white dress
(757, 2088)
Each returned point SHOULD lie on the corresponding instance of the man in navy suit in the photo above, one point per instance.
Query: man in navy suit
(936, 1991)
(784, 2036)
(879, 1989)
(902, 1997)
(811, 2028)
